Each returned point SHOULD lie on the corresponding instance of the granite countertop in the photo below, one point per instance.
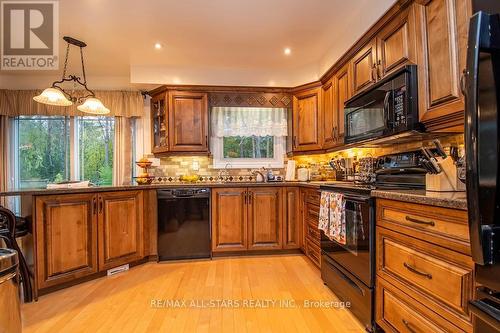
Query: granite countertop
(42, 191)
(456, 200)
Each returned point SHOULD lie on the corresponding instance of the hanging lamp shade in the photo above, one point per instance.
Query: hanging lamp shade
(94, 106)
(53, 96)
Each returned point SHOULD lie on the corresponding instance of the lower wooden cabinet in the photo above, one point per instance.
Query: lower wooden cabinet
(229, 219)
(292, 232)
(65, 238)
(77, 235)
(120, 228)
(421, 265)
(255, 218)
(396, 312)
(265, 214)
(311, 236)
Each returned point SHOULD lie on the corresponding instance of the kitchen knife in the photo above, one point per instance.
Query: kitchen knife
(426, 165)
(440, 149)
(454, 154)
(432, 160)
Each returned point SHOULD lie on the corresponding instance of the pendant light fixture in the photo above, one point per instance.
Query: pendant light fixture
(57, 95)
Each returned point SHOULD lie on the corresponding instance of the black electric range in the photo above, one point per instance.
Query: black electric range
(349, 269)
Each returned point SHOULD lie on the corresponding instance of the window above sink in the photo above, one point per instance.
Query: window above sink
(247, 137)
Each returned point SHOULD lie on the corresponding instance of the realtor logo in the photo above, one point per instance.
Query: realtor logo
(29, 35)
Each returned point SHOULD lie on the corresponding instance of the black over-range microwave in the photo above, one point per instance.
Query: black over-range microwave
(388, 108)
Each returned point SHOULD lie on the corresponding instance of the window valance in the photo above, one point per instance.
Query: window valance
(238, 121)
(20, 103)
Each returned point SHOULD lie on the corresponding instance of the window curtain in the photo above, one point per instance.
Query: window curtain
(15, 103)
(5, 158)
(122, 152)
(242, 121)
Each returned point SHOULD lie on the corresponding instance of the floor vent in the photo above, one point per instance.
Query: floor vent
(119, 269)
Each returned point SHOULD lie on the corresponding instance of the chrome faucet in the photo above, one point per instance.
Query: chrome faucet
(261, 174)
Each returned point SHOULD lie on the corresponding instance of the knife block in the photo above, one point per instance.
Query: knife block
(447, 180)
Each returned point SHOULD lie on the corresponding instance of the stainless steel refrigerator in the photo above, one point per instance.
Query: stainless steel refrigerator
(482, 138)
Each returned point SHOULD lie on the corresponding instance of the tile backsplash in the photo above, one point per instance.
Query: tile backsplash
(176, 166)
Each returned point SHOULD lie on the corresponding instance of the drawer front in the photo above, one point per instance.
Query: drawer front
(312, 213)
(313, 252)
(438, 274)
(313, 233)
(443, 226)
(397, 312)
(313, 197)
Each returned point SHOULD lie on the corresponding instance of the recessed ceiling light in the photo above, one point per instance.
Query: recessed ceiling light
(158, 46)
(287, 51)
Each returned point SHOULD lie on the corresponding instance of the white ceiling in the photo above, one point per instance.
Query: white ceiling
(216, 42)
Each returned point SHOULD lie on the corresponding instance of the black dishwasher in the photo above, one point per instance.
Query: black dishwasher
(184, 223)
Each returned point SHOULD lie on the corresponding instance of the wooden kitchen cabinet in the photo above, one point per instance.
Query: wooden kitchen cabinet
(77, 235)
(265, 218)
(159, 123)
(307, 120)
(229, 219)
(396, 43)
(330, 116)
(253, 218)
(120, 228)
(423, 262)
(188, 121)
(393, 47)
(443, 36)
(292, 231)
(65, 238)
(364, 67)
(179, 122)
(342, 92)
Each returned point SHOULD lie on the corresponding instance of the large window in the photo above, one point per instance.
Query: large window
(96, 149)
(43, 151)
(55, 149)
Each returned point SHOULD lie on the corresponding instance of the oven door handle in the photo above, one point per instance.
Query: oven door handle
(356, 198)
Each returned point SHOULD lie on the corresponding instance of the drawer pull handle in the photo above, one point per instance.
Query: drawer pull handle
(411, 219)
(408, 326)
(416, 271)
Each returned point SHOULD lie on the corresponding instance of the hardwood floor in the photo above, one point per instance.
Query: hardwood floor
(123, 303)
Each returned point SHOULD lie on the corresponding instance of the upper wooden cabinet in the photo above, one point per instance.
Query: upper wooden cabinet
(179, 122)
(65, 238)
(394, 46)
(120, 228)
(159, 123)
(335, 92)
(364, 67)
(330, 117)
(188, 121)
(443, 40)
(307, 120)
(343, 91)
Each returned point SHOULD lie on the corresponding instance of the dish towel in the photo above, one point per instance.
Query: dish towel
(332, 216)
